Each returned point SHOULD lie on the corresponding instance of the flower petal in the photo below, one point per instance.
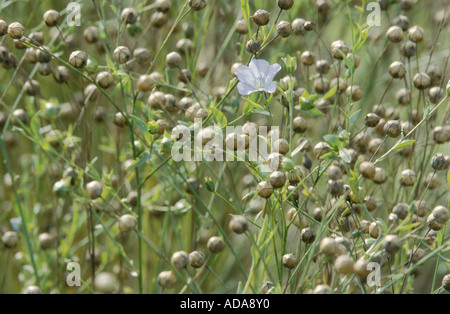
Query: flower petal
(259, 67)
(271, 87)
(245, 75)
(271, 71)
(245, 89)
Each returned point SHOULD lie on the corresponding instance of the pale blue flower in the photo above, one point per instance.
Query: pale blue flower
(257, 77)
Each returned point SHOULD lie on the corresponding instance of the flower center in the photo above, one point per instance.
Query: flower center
(260, 83)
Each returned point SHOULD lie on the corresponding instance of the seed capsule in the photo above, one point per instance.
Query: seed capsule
(408, 49)
(127, 223)
(167, 279)
(129, 16)
(197, 259)
(344, 264)
(432, 181)
(32, 290)
(298, 26)
(395, 34)
(321, 149)
(104, 79)
(197, 5)
(91, 35)
(52, 18)
(285, 4)
(371, 120)
(163, 5)
(433, 223)
(393, 128)
(441, 214)
(421, 81)
(216, 245)
(392, 244)
(180, 260)
(241, 27)
(264, 189)
(367, 169)
(339, 47)
(374, 231)
(253, 46)
(122, 54)
(261, 17)
(46, 241)
(415, 34)
(239, 224)
(78, 59)
(397, 70)
(402, 21)
(142, 55)
(173, 60)
(94, 189)
(439, 162)
(10, 239)
(290, 261)
(446, 282)
(277, 179)
(3, 28)
(16, 30)
(284, 29)
(308, 235)
(328, 246)
(401, 210)
(61, 74)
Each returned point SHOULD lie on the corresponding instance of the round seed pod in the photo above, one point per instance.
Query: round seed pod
(367, 169)
(16, 30)
(185, 76)
(239, 225)
(356, 92)
(10, 239)
(167, 279)
(298, 26)
(32, 88)
(284, 29)
(52, 18)
(354, 59)
(328, 246)
(267, 287)
(197, 5)
(317, 214)
(285, 4)
(299, 125)
(322, 289)
(173, 60)
(94, 189)
(264, 189)
(402, 21)
(142, 55)
(415, 34)
(321, 85)
(91, 35)
(309, 26)
(370, 203)
(395, 34)
(215, 245)
(122, 54)
(277, 179)
(106, 283)
(421, 208)
(433, 223)
(392, 244)
(374, 231)
(163, 5)
(192, 184)
(46, 241)
(275, 161)
(307, 58)
(78, 59)
(360, 268)
(393, 128)
(439, 162)
(436, 94)
(432, 181)
(441, 134)
(441, 214)
(323, 7)
(129, 16)
(338, 47)
(384, 4)
(406, 4)
(158, 19)
(408, 177)
(334, 172)
(261, 17)
(371, 120)
(281, 146)
(404, 97)
(397, 70)
(145, 83)
(321, 149)
(20, 115)
(127, 223)
(294, 217)
(44, 56)
(308, 235)
(435, 73)
(61, 74)
(180, 260)
(157, 100)
(408, 49)
(104, 79)
(335, 188)
(132, 198)
(197, 259)
(32, 290)
(401, 210)
(241, 27)
(344, 265)
(253, 46)
(421, 81)
(322, 67)
(290, 261)
(31, 55)
(3, 28)
(446, 282)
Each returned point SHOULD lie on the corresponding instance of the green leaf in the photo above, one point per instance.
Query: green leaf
(312, 112)
(142, 159)
(246, 13)
(448, 179)
(404, 144)
(219, 116)
(261, 111)
(355, 116)
(140, 124)
(345, 155)
(330, 93)
(254, 104)
(333, 140)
